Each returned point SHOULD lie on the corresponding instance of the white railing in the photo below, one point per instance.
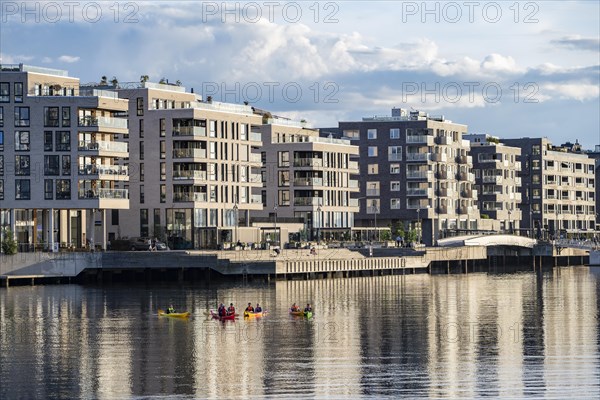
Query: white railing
(255, 137)
(417, 156)
(308, 182)
(190, 131)
(103, 193)
(103, 122)
(201, 175)
(189, 153)
(101, 145)
(308, 201)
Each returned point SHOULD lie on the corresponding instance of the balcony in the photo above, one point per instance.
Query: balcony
(445, 192)
(441, 174)
(518, 181)
(442, 209)
(308, 182)
(187, 131)
(255, 158)
(464, 210)
(444, 140)
(308, 201)
(256, 199)
(256, 178)
(492, 179)
(419, 139)
(104, 146)
(308, 162)
(103, 193)
(353, 184)
(464, 159)
(199, 197)
(184, 175)
(353, 166)
(418, 192)
(255, 137)
(103, 122)
(189, 153)
(95, 169)
(418, 174)
(354, 203)
(439, 157)
(462, 176)
(467, 193)
(420, 157)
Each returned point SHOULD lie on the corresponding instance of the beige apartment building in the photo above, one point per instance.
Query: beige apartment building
(497, 176)
(60, 150)
(195, 168)
(558, 188)
(415, 170)
(308, 179)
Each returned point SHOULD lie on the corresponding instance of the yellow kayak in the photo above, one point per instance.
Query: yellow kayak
(174, 315)
(250, 314)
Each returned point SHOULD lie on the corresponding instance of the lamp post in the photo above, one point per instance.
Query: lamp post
(509, 222)
(237, 221)
(275, 226)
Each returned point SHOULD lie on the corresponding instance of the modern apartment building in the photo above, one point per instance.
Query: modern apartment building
(595, 155)
(497, 176)
(558, 188)
(197, 167)
(59, 153)
(415, 169)
(309, 178)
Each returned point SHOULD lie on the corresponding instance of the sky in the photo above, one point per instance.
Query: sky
(508, 68)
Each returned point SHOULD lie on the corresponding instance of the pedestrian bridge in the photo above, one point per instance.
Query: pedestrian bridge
(488, 240)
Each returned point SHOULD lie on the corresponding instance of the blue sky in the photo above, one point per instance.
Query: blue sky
(511, 69)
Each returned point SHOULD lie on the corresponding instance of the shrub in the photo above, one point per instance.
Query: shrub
(9, 244)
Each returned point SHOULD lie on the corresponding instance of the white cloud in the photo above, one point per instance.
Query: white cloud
(47, 60)
(574, 91)
(14, 59)
(68, 59)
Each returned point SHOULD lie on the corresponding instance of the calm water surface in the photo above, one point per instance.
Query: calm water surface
(532, 335)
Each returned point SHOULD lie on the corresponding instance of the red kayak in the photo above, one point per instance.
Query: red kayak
(222, 318)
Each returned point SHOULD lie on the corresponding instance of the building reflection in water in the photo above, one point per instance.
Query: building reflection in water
(456, 336)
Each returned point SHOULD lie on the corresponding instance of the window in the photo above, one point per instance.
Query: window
(141, 150)
(394, 153)
(18, 92)
(163, 171)
(284, 178)
(51, 165)
(114, 217)
(372, 151)
(212, 128)
(395, 186)
(21, 116)
(163, 150)
(51, 117)
(22, 141)
(66, 117)
(1, 189)
(22, 165)
(243, 128)
(1, 140)
(536, 149)
(48, 136)
(1, 164)
(141, 128)
(142, 194)
(142, 173)
(352, 134)
(373, 169)
(394, 133)
(4, 92)
(144, 222)
(371, 133)
(22, 189)
(48, 189)
(395, 204)
(157, 220)
(284, 198)
(163, 193)
(284, 158)
(140, 106)
(1, 117)
(162, 127)
(66, 165)
(394, 168)
(63, 141)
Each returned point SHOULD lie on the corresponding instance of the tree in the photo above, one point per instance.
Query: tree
(103, 80)
(411, 236)
(163, 80)
(9, 244)
(178, 82)
(114, 81)
(144, 78)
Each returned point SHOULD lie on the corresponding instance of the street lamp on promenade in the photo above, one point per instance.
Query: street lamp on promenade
(320, 223)
(275, 237)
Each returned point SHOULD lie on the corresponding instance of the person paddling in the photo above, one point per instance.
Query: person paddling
(222, 310)
(250, 308)
(231, 309)
(308, 308)
(295, 307)
(171, 310)
(258, 308)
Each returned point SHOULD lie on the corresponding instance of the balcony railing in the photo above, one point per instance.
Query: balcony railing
(308, 162)
(354, 203)
(443, 140)
(417, 192)
(439, 157)
(94, 169)
(442, 209)
(200, 175)
(441, 174)
(464, 210)
(417, 156)
(424, 139)
(255, 136)
(492, 179)
(190, 197)
(353, 184)
(255, 158)
(353, 165)
(308, 182)
(101, 145)
(189, 153)
(103, 122)
(308, 201)
(418, 174)
(190, 131)
(255, 178)
(445, 192)
(103, 193)
(256, 199)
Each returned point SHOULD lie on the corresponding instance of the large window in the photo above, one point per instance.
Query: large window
(141, 128)
(284, 158)
(394, 168)
(1, 140)
(352, 134)
(48, 189)
(22, 189)
(284, 178)
(51, 117)
(63, 141)
(1, 189)
(51, 165)
(1, 164)
(394, 153)
(66, 117)
(142, 194)
(372, 151)
(395, 186)
(163, 150)
(162, 127)
(144, 222)
(63, 189)
(284, 198)
(371, 133)
(394, 133)
(66, 165)
(18, 92)
(22, 141)
(21, 116)
(1, 117)
(22, 165)
(4, 92)
(140, 106)
(48, 141)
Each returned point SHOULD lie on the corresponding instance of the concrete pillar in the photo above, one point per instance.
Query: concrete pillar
(13, 223)
(51, 229)
(104, 236)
